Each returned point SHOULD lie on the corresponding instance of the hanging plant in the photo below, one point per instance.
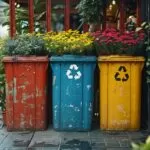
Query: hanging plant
(91, 12)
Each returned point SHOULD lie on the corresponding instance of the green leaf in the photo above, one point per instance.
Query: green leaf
(135, 146)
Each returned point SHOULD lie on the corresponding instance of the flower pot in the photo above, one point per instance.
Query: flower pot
(26, 98)
(4, 117)
(120, 92)
(72, 91)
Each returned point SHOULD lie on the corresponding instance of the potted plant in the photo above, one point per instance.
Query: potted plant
(2, 83)
(26, 81)
(72, 73)
(120, 62)
(91, 12)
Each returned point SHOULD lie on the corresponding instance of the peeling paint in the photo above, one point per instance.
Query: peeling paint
(26, 96)
(22, 122)
(70, 125)
(32, 106)
(22, 87)
(38, 92)
(26, 83)
(30, 122)
(90, 107)
(15, 90)
(76, 109)
(67, 91)
(54, 80)
(56, 87)
(123, 123)
(88, 87)
(42, 108)
(71, 106)
(122, 110)
(121, 89)
(56, 106)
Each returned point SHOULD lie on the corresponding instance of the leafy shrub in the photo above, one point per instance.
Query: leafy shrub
(2, 76)
(25, 45)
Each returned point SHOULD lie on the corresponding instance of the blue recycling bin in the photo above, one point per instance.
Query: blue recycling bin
(72, 91)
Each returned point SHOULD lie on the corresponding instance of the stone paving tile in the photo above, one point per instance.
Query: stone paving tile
(98, 145)
(49, 138)
(43, 148)
(16, 139)
(82, 137)
(135, 134)
(118, 149)
(53, 140)
(125, 143)
(75, 134)
(3, 135)
(98, 133)
(76, 145)
(112, 144)
(97, 140)
(14, 148)
(98, 148)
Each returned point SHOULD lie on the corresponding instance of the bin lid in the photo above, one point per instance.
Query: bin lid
(122, 58)
(15, 59)
(74, 58)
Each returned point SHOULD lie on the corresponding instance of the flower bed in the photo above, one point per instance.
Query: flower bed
(112, 41)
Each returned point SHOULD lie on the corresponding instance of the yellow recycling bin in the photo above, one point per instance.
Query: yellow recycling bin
(120, 92)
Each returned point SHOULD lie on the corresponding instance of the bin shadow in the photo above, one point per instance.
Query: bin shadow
(96, 109)
(49, 95)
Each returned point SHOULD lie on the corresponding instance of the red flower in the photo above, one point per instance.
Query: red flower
(111, 40)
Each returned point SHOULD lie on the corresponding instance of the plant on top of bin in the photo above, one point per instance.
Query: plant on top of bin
(91, 12)
(2, 77)
(69, 42)
(113, 42)
(25, 45)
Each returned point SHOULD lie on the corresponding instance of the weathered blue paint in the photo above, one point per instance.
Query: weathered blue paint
(73, 78)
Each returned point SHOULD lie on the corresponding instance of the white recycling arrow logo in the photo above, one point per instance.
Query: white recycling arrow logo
(69, 72)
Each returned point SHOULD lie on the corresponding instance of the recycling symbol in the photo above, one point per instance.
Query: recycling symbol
(70, 74)
(125, 76)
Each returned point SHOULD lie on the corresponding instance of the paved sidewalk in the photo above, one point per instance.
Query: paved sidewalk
(53, 140)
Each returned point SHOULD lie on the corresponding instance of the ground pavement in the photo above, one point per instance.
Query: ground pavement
(53, 140)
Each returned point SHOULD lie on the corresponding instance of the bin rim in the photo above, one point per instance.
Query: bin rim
(73, 58)
(14, 59)
(121, 58)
